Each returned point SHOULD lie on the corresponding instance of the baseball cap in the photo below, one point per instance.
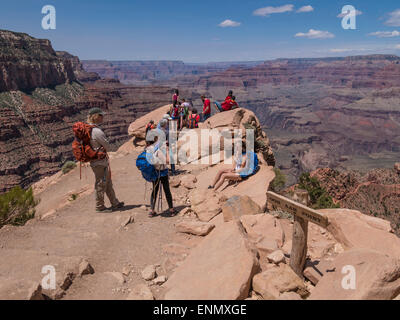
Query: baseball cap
(96, 111)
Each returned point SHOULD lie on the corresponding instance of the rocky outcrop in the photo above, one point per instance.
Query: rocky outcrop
(206, 274)
(27, 63)
(360, 274)
(79, 72)
(40, 100)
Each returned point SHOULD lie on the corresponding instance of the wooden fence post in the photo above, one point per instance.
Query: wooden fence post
(298, 255)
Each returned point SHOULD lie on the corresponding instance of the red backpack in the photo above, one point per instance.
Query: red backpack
(81, 147)
(193, 122)
(175, 112)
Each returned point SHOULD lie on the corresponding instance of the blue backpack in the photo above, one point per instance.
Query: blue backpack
(148, 171)
(253, 165)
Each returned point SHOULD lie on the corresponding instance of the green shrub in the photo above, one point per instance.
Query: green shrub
(319, 197)
(279, 181)
(68, 166)
(17, 206)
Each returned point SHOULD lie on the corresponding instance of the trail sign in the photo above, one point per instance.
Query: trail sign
(297, 209)
(302, 215)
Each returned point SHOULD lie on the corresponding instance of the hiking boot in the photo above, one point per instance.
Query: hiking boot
(104, 210)
(118, 206)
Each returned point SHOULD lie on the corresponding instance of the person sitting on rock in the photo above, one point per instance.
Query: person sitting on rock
(101, 167)
(229, 104)
(160, 160)
(243, 167)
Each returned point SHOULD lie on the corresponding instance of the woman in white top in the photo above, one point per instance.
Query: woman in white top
(160, 162)
(233, 174)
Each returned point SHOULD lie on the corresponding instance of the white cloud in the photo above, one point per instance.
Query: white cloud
(270, 10)
(315, 34)
(342, 15)
(397, 47)
(386, 34)
(305, 9)
(229, 23)
(394, 19)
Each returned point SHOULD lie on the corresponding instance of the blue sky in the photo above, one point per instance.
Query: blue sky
(190, 30)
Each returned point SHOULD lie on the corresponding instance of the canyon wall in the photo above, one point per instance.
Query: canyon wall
(42, 94)
(27, 63)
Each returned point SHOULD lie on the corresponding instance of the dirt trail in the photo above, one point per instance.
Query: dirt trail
(76, 231)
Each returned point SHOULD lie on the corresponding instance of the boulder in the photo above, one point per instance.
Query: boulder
(219, 268)
(267, 246)
(196, 228)
(140, 292)
(277, 280)
(159, 280)
(255, 186)
(237, 206)
(276, 257)
(263, 226)
(149, 273)
(205, 205)
(372, 233)
(137, 128)
(376, 277)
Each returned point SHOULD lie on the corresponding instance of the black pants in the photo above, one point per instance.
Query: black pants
(156, 186)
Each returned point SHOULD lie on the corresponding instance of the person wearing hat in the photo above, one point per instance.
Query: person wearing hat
(101, 167)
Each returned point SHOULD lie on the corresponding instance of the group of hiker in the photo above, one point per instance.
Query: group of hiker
(91, 145)
(186, 115)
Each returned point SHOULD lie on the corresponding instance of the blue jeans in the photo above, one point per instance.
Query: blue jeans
(206, 116)
(219, 106)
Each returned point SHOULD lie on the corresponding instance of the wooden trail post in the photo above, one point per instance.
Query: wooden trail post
(302, 215)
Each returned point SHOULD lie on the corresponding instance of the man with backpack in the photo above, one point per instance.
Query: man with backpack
(101, 167)
(193, 119)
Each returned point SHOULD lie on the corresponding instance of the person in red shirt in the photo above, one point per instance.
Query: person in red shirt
(175, 100)
(206, 108)
(228, 104)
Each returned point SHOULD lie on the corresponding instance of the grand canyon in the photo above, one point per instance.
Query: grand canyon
(337, 118)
